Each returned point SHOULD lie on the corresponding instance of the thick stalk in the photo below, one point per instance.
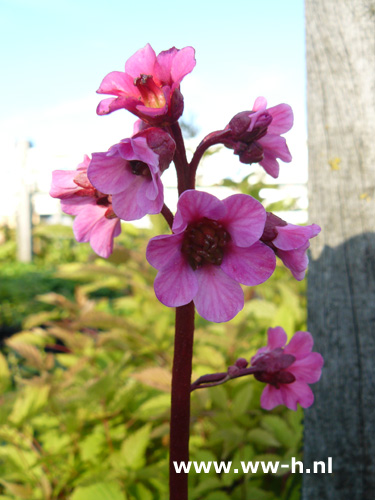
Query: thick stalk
(180, 409)
(210, 140)
(180, 160)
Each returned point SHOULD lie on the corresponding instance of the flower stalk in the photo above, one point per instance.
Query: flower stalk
(215, 246)
(180, 407)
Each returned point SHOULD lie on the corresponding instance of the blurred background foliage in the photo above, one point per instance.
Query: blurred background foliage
(85, 377)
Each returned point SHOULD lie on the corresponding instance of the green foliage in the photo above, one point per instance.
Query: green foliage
(84, 386)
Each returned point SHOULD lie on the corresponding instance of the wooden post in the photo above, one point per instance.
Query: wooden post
(24, 213)
(341, 280)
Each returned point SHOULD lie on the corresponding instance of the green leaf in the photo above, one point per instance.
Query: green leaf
(55, 442)
(263, 438)
(134, 447)
(99, 491)
(92, 446)
(217, 495)
(154, 407)
(142, 492)
(4, 374)
(18, 490)
(241, 401)
(281, 430)
(205, 486)
(29, 402)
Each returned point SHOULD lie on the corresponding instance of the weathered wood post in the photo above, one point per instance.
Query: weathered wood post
(24, 212)
(341, 282)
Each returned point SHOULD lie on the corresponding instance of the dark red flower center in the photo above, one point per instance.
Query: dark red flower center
(204, 242)
(139, 168)
(272, 367)
(152, 95)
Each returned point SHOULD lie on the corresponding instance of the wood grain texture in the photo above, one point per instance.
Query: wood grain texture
(340, 44)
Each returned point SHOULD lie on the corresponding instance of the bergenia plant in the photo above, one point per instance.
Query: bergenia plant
(214, 246)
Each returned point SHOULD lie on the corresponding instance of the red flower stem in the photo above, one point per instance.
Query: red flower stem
(183, 356)
(208, 141)
(182, 166)
(180, 408)
(213, 379)
(167, 214)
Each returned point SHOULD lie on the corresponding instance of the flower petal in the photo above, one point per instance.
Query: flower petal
(300, 345)
(295, 260)
(195, 205)
(251, 265)
(110, 104)
(297, 392)
(137, 149)
(152, 190)
(282, 119)
(183, 63)
(86, 220)
(245, 219)
(75, 204)
(163, 66)
(102, 235)
(291, 237)
(219, 297)
(126, 204)
(270, 164)
(260, 104)
(142, 62)
(63, 185)
(276, 145)
(162, 249)
(176, 284)
(308, 369)
(276, 338)
(109, 173)
(271, 397)
(119, 84)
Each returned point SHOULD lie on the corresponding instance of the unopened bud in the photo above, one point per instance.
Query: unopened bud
(233, 370)
(241, 363)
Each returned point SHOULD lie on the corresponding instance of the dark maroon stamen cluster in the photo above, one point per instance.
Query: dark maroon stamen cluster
(243, 140)
(204, 243)
(139, 168)
(272, 368)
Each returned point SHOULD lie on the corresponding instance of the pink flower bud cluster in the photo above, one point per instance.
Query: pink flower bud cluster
(215, 246)
(287, 369)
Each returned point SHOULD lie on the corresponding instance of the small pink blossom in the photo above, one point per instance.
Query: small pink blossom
(214, 247)
(150, 85)
(287, 369)
(256, 135)
(289, 242)
(130, 171)
(95, 220)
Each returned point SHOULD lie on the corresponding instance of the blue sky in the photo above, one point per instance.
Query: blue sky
(55, 54)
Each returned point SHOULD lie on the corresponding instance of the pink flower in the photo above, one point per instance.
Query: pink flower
(289, 242)
(215, 246)
(130, 171)
(287, 369)
(255, 136)
(95, 219)
(150, 85)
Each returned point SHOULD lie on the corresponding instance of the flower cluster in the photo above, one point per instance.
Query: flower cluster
(150, 85)
(255, 136)
(95, 220)
(216, 245)
(287, 369)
